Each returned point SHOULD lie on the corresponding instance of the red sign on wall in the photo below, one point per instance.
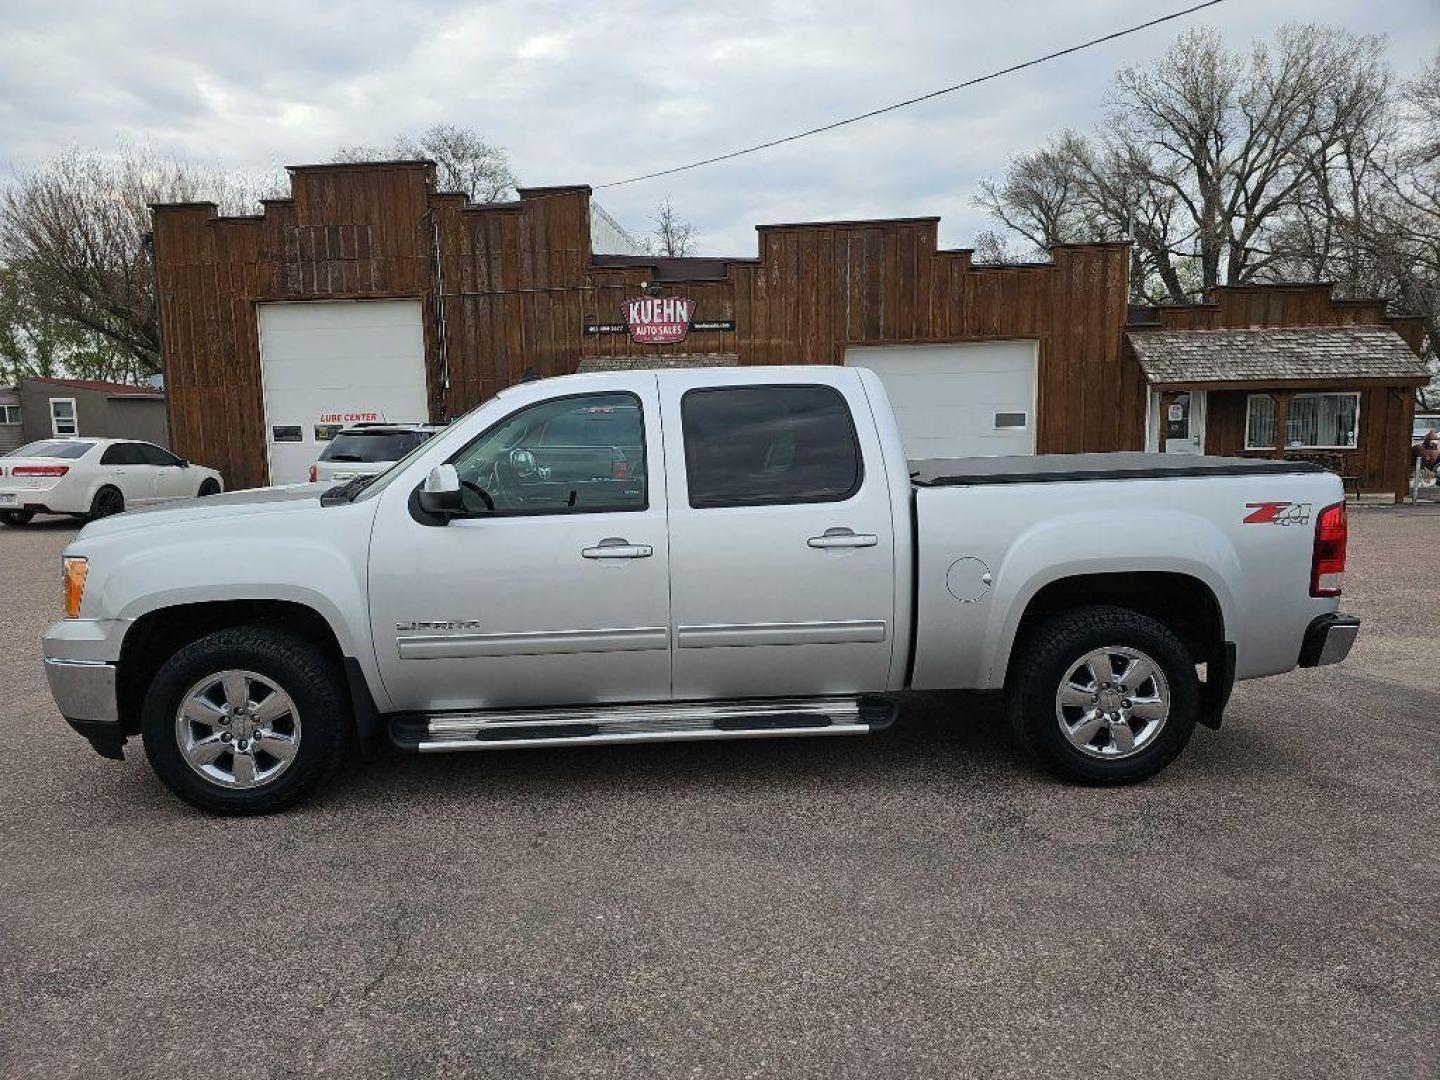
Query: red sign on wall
(658, 320)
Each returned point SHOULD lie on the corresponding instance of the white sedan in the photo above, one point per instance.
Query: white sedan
(94, 478)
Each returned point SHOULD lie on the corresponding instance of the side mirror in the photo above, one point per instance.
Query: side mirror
(440, 494)
(184, 463)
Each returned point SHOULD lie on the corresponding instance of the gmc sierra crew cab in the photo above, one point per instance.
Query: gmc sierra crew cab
(721, 554)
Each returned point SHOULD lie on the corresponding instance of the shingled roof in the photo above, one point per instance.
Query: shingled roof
(1320, 353)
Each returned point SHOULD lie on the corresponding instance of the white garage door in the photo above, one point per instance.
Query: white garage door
(325, 365)
(973, 399)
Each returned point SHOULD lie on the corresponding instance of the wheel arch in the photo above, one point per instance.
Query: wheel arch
(154, 636)
(1183, 602)
(98, 485)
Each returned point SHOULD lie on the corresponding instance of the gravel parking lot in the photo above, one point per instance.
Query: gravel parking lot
(917, 904)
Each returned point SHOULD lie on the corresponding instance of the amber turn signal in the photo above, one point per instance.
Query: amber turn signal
(74, 579)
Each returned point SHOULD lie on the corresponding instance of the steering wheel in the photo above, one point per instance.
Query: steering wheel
(479, 492)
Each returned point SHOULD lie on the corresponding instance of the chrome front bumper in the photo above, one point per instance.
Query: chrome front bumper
(83, 689)
(1328, 640)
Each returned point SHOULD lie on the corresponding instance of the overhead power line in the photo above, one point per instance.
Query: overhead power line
(916, 100)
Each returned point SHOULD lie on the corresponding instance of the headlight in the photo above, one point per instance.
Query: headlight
(73, 576)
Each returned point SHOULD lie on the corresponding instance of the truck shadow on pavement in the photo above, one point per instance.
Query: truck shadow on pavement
(950, 744)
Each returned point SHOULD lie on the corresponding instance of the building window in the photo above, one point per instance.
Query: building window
(62, 417)
(9, 414)
(1312, 422)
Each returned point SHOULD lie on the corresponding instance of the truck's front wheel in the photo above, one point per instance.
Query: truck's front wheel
(1103, 695)
(246, 720)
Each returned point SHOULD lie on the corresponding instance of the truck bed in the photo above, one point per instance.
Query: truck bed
(1071, 468)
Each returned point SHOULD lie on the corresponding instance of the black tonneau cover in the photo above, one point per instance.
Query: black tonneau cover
(1069, 468)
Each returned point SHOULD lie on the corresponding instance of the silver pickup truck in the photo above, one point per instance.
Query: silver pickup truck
(688, 555)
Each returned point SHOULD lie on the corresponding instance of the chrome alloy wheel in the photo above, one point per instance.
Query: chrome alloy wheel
(237, 729)
(1113, 702)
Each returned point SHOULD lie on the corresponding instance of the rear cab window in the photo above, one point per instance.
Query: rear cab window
(769, 445)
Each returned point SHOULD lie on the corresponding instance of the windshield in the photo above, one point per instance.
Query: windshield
(373, 446)
(68, 449)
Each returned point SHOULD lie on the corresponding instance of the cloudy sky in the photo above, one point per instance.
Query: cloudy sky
(592, 93)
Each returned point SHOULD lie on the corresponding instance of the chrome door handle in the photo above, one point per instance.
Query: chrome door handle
(843, 538)
(617, 547)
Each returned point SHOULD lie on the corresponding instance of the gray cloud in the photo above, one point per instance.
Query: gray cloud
(591, 93)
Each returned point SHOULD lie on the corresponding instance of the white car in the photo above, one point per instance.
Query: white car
(94, 478)
(368, 450)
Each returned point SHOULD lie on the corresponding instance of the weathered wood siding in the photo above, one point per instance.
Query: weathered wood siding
(344, 234)
(1382, 457)
(515, 285)
(519, 289)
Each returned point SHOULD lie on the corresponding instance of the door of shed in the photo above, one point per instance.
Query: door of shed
(972, 399)
(328, 364)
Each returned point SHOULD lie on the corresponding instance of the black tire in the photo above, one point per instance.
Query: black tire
(208, 487)
(309, 676)
(1048, 654)
(107, 501)
(17, 517)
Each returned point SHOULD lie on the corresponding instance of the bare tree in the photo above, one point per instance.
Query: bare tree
(1401, 233)
(673, 236)
(1207, 156)
(992, 249)
(71, 234)
(463, 160)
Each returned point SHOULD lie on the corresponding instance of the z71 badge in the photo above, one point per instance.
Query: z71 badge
(1277, 513)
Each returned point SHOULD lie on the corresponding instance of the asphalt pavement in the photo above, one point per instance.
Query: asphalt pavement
(922, 903)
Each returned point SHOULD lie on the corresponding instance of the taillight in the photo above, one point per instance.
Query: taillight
(40, 470)
(1327, 563)
(313, 474)
(619, 469)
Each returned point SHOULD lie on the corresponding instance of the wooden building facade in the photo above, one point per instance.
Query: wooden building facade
(510, 291)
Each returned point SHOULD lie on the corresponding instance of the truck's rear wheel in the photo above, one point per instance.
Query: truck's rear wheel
(1103, 695)
(246, 720)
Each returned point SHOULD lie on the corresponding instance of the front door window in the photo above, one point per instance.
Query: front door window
(580, 454)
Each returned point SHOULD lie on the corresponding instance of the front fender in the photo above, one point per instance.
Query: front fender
(259, 559)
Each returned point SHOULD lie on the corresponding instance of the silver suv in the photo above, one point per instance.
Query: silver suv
(367, 450)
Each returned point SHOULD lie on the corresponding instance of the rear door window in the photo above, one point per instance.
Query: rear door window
(154, 455)
(125, 453)
(766, 445)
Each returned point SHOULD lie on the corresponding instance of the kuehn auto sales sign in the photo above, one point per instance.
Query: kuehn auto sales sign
(658, 320)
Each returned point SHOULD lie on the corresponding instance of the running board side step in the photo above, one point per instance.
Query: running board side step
(588, 725)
